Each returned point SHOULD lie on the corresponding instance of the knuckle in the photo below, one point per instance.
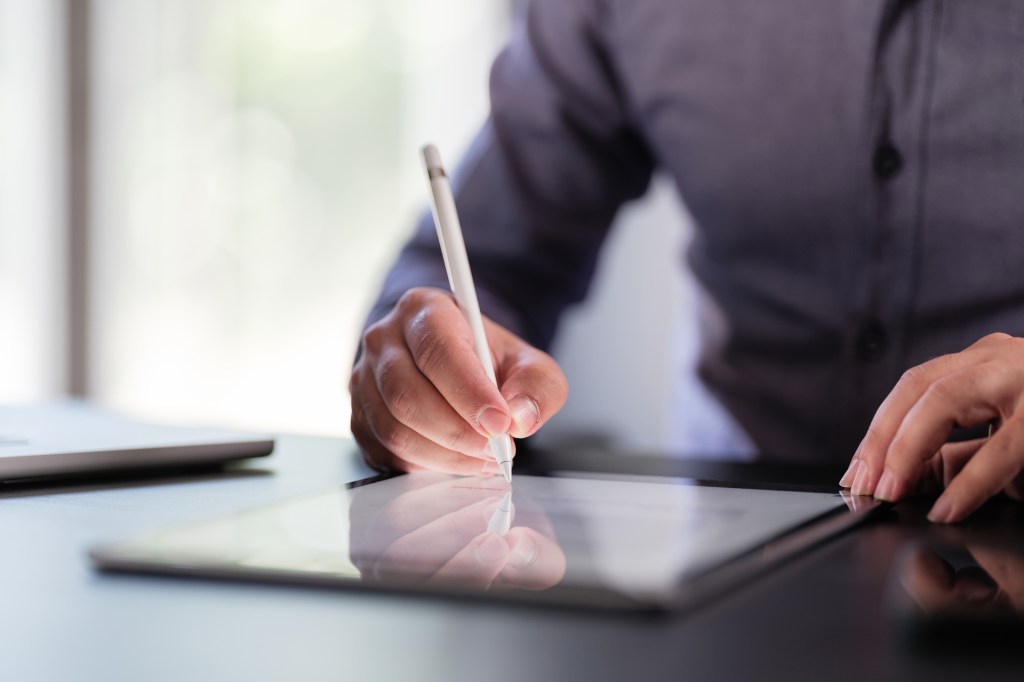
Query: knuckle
(357, 424)
(401, 405)
(374, 428)
(463, 441)
(941, 392)
(394, 437)
(996, 337)
(873, 441)
(375, 336)
(898, 452)
(416, 299)
(431, 352)
(395, 393)
(913, 377)
(872, 435)
(1015, 343)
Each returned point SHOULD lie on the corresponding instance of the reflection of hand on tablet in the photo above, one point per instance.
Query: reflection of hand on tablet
(995, 585)
(436, 529)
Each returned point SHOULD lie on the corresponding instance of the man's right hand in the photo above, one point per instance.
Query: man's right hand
(421, 399)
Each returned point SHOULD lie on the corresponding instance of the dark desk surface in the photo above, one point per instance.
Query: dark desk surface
(823, 616)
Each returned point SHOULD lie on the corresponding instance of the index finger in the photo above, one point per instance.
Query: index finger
(866, 466)
(965, 398)
(441, 343)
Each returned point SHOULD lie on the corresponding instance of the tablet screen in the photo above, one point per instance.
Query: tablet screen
(585, 540)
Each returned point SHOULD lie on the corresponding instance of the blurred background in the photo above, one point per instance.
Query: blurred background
(199, 198)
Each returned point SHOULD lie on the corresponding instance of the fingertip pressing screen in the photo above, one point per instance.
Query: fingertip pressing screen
(590, 541)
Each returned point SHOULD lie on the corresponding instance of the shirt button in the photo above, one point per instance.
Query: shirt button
(871, 342)
(887, 161)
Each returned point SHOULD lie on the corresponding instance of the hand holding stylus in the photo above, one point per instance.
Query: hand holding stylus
(460, 278)
(423, 397)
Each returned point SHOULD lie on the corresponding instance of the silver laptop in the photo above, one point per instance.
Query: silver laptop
(70, 437)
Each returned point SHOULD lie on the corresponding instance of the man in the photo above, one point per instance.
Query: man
(855, 170)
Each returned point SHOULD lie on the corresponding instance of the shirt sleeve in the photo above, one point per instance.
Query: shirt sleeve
(543, 179)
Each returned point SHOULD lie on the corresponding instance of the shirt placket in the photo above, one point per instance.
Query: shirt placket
(897, 172)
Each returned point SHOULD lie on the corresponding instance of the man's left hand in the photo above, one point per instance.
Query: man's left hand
(906, 449)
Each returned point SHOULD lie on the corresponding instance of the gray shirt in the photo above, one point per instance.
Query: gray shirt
(855, 169)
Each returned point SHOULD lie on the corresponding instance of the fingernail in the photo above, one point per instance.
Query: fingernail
(847, 478)
(524, 553)
(491, 549)
(524, 415)
(860, 482)
(942, 511)
(493, 422)
(886, 489)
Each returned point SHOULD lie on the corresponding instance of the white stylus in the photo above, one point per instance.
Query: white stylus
(456, 262)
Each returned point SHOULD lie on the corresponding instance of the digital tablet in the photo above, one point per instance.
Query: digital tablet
(594, 541)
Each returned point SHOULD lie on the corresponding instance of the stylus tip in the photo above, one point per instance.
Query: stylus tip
(506, 470)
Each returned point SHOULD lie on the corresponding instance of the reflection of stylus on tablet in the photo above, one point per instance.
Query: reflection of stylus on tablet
(456, 262)
(501, 519)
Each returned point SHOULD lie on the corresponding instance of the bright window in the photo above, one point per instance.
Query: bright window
(255, 167)
(31, 201)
